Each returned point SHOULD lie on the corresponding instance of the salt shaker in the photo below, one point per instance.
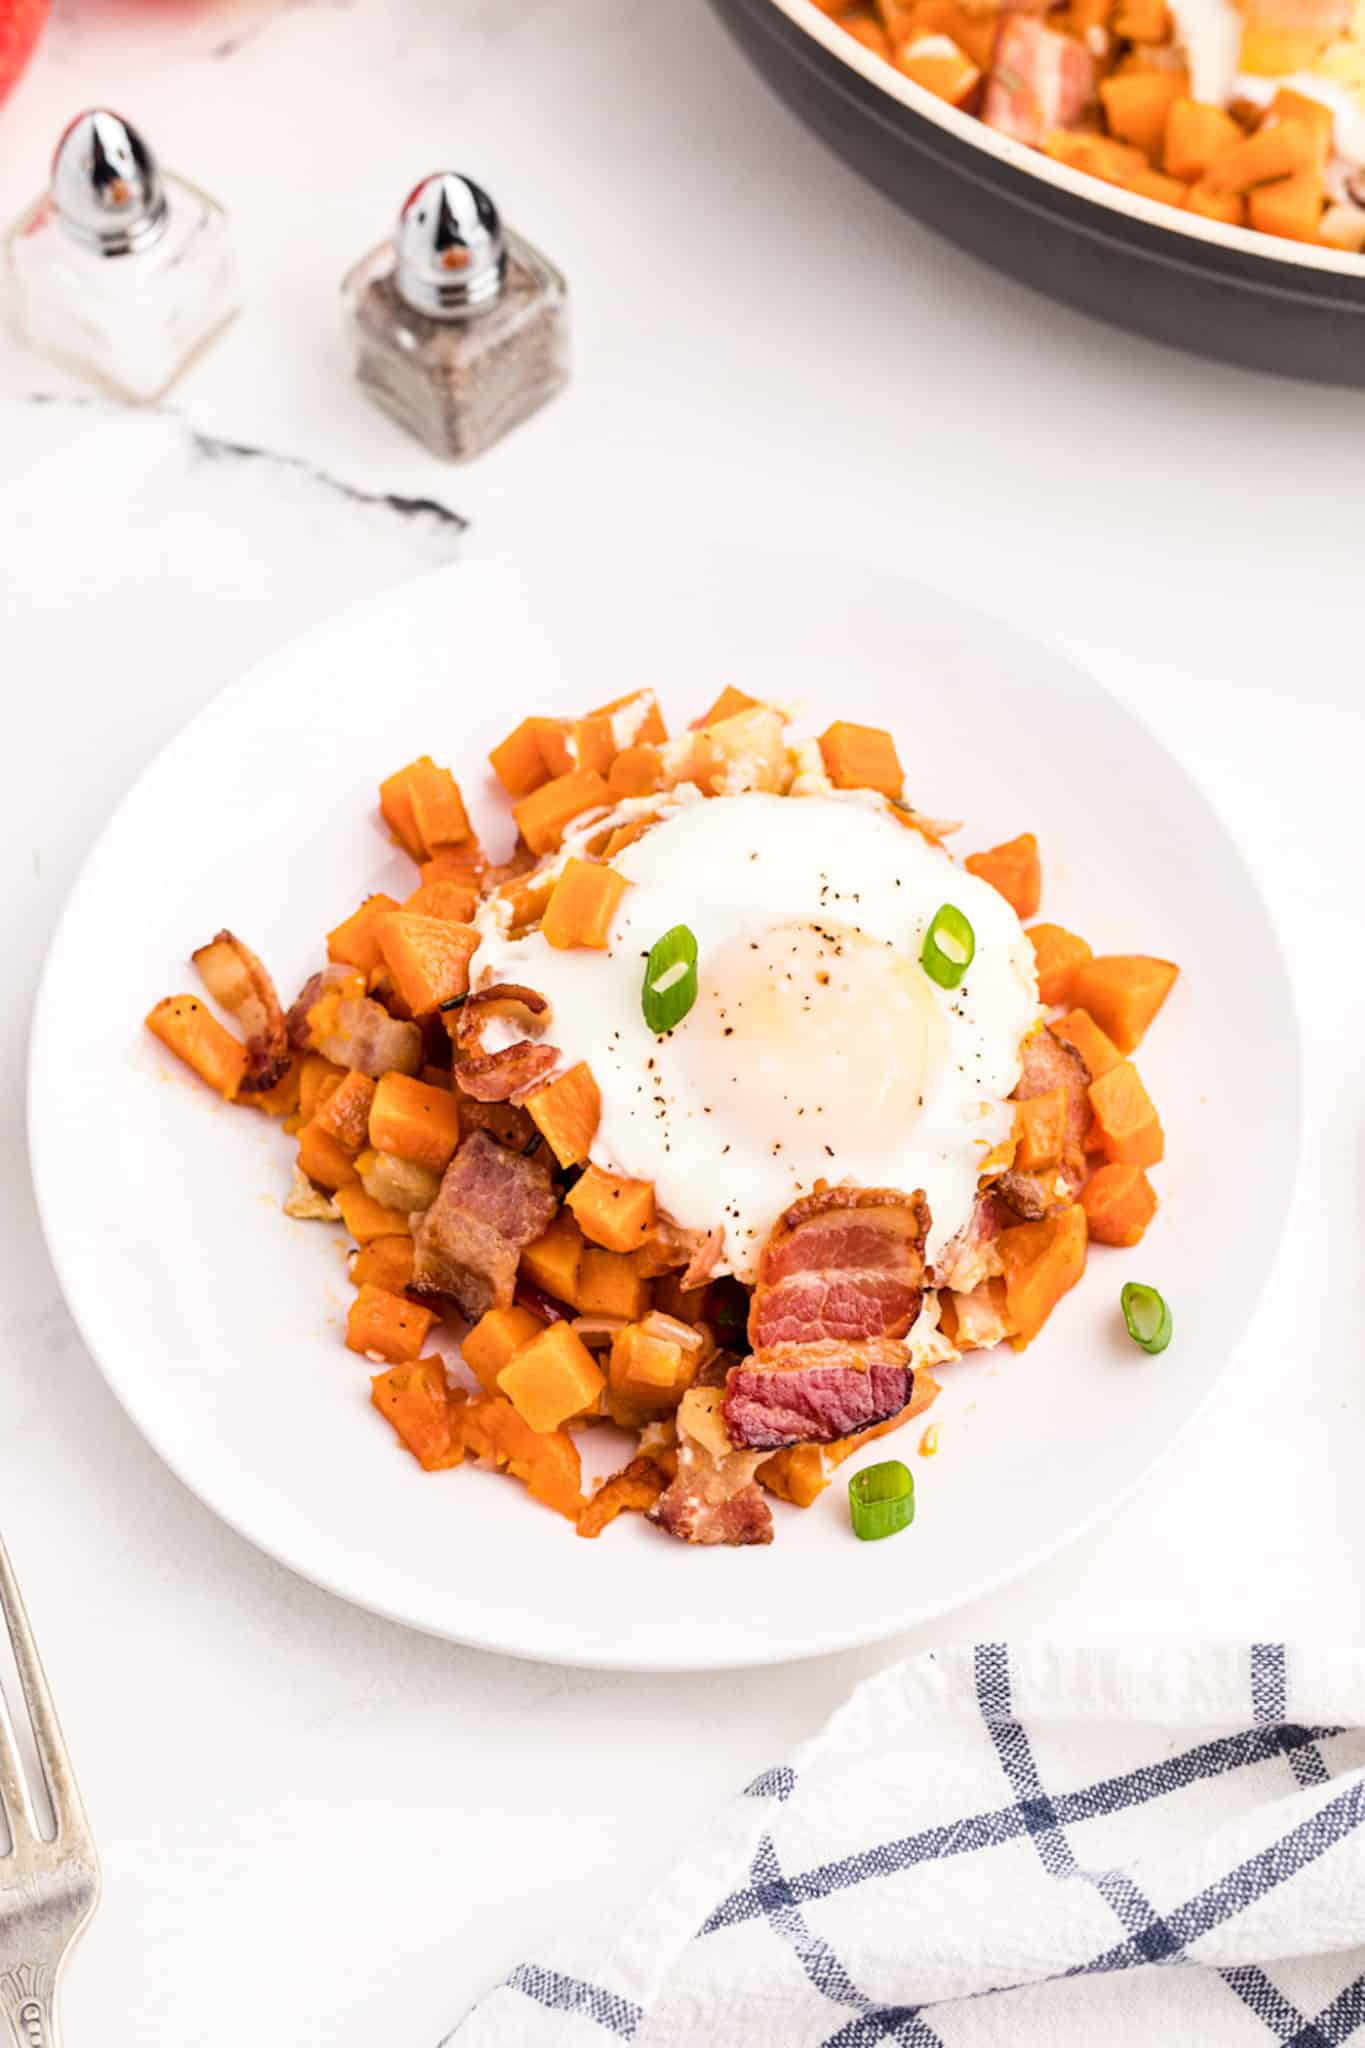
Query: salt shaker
(459, 327)
(120, 271)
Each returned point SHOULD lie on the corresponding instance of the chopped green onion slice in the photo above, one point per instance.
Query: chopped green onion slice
(1147, 1317)
(670, 979)
(881, 1500)
(453, 1003)
(949, 947)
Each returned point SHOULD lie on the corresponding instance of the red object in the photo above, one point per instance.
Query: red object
(21, 23)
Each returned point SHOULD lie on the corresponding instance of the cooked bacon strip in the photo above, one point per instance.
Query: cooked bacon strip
(638, 1486)
(513, 1070)
(714, 1500)
(705, 1257)
(816, 1393)
(1049, 1063)
(316, 986)
(368, 1039)
(234, 977)
(491, 1204)
(844, 1264)
(972, 1256)
(976, 1321)
(1040, 79)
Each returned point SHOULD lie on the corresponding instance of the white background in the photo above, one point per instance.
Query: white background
(315, 1828)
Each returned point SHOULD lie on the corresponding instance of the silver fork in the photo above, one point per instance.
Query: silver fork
(48, 1890)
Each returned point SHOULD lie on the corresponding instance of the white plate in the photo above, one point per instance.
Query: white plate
(218, 1322)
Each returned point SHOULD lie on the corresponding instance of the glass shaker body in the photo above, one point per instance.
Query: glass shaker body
(132, 321)
(460, 383)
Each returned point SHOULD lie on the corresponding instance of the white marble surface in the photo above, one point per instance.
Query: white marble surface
(317, 1829)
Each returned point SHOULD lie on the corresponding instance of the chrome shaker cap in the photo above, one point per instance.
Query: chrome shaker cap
(452, 259)
(106, 184)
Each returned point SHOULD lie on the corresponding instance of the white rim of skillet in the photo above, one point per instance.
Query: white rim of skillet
(1270, 249)
(1019, 1564)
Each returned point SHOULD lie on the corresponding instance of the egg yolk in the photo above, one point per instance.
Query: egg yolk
(813, 1038)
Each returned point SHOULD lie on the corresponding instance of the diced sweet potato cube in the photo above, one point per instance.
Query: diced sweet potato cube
(355, 943)
(1136, 105)
(1078, 1028)
(1290, 207)
(1040, 1130)
(194, 1035)
(637, 1488)
(395, 808)
(548, 1465)
(1229, 207)
(646, 1376)
(1129, 1127)
(594, 742)
(416, 1400)
(566, 1112)
(489, 1346)
(609, 1285)
(1155, 185)
(612, 1210)
(797, 1473)
(974, 34)
(437, 806)
(1272, 152)
(1041, 1261)
(1118, 163)
(453, 900)
(428, 958)
(413, 1120)
(1312, 114)
(636, 718)
(1195, 134)
(1119, 1203)
(388, 1324)
(345, 1115)
(867, 30)
(582, 905)
(464, 863)
(1057, 954)
(518, 762)
(1142, 21)
(384, 1261)
(1014, 870)
(940, 65)
(367, 1219)
(526, 897)
(1123, 992)
(861, 757)
(636, 771)
(551, 1378)
(726, 705)
(325, 1160)
(552, 1262)
(318, 1078)
(544, 816)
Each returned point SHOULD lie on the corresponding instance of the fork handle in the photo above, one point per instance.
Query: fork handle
(28, 1995)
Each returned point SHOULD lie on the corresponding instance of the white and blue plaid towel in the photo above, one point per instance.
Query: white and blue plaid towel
(998, 1848)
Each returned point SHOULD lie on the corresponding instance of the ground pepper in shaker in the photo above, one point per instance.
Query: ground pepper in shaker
(459, 327)
(120, 271)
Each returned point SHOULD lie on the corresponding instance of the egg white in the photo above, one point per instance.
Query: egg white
(817, 1048)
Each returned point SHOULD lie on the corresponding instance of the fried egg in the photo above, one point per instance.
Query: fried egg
(817, 1048)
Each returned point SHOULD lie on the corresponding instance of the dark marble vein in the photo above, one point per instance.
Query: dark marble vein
(214, 448)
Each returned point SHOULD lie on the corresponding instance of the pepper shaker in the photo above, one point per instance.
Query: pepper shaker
(459, 327)
(120, 271)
